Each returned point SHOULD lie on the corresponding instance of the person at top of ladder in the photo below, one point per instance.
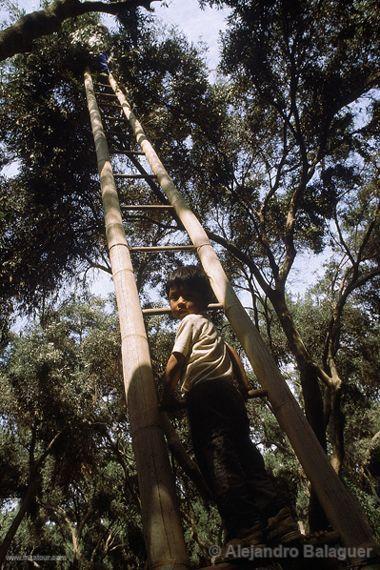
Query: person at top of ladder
(252, 511)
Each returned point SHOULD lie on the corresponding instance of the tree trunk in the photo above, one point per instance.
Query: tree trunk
(314, 412)
(24, 506)
(77, 553)
(336, 429)
(313, 401)
(312, 396)
(189, 467)
(308, 374)
(35, 479)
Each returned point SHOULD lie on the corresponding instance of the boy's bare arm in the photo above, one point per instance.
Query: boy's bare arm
(174, 369)
(173, 373)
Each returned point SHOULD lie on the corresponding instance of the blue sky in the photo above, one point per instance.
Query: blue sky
(196, 24)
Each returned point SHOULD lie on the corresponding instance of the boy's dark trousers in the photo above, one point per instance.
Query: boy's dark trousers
(230, 463)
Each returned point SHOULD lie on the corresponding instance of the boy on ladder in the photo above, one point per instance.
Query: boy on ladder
(252, 512)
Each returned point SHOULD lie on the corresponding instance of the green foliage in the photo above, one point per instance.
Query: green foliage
(358, 362)
(295, 69)
(50, 207)
(283, 127)
(64, 378)
(51, 216)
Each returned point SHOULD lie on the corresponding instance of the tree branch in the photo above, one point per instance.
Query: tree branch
(19, 37)
(238, 254)
(290, 225)
(341, 238)
(95, 265)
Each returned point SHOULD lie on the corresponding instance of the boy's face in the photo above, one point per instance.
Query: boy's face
(183, 302)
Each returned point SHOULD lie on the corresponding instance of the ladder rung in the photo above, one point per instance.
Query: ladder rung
(108, 105)
(134, 176)
(136, 152)
(148, 207)
(105, 94)
(167, 310)
(152, 248)
(104, 85)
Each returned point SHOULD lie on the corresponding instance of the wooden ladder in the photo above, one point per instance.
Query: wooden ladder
(161, 520)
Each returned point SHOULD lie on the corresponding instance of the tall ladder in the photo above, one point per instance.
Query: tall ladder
(160, 512)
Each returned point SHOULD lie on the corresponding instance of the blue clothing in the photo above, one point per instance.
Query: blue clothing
(103, 62)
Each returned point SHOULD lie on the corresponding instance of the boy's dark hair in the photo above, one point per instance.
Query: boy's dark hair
(192, 278)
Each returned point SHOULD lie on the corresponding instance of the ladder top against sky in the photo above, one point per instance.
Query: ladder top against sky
(342, 510)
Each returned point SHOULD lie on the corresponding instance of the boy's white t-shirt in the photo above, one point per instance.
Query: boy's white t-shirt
(205, 351)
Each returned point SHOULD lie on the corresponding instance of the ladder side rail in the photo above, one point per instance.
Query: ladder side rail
(162, 527)
(341, 508)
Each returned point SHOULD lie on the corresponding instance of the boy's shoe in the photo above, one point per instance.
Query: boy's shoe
(282, 528)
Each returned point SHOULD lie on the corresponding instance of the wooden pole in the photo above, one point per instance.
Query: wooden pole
(161, 520)
(341, 508)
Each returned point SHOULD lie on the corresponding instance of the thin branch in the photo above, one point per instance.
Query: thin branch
(290, 225)
(341, 238)
(240, 255)
(259, 234)
(366, 237)
(279, 168)
(95, 265)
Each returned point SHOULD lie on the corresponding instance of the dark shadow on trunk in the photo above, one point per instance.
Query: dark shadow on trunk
(314, 410)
